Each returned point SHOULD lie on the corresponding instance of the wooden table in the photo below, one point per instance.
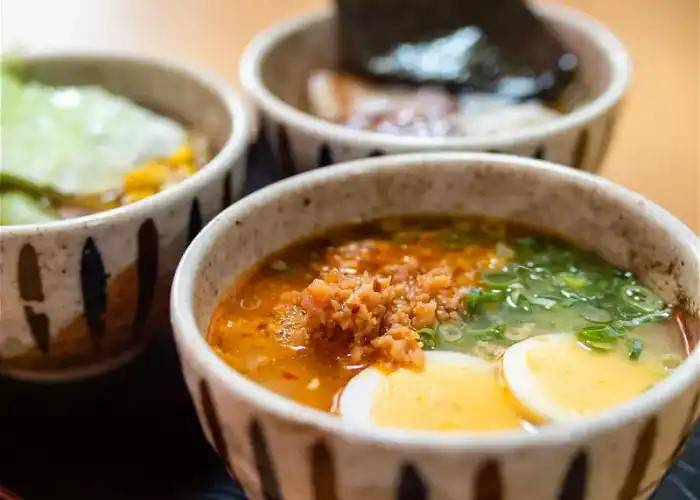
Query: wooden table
(655, 151)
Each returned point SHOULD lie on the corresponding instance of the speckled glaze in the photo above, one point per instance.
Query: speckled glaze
(275, 68)
(280, 449)
(81, 296)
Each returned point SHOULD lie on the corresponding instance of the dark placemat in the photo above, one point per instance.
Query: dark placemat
(133, 434)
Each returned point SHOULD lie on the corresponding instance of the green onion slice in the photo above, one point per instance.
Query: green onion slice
(595, 314)
(641, 298)
(635, 347)
(429, 338)
(598, 337)
(499, 279)
(450, 332)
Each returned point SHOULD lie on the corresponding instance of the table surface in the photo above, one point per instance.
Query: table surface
(133, 434)
(655, 151)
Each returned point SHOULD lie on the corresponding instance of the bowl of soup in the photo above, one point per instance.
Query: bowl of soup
(111, 165)
(316, 113)
(427, 325)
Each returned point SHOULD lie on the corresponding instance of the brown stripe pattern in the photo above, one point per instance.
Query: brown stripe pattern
(580, 150)
(226, 196)
(93, 284)
(212, 419)
(607, 137)
(411, 485)
(263, 462)
(39, 328)
(29, 275)
(31, 289)
(574, 486)
(640, 461)
(284, 153)
(322, 473)
(686, 431)
(539, 153)
(194, 226)
(325, 157)
(488, 484)
(687, 428)
(147, 271)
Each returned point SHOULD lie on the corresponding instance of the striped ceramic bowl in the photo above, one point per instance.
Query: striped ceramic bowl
(280, 449)
(81, 296)
(275, 68)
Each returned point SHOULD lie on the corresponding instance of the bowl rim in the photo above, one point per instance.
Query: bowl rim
(611, 48)
(193, 347)
(237, 108)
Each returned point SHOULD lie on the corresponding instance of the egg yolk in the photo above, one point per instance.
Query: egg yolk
(444, 397)
(587, 382)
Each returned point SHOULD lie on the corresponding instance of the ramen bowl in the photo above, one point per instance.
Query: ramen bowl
(81, 296)
(276, 66)
(278, 448)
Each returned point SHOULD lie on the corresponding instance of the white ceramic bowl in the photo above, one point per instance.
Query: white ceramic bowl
(278, 448)
(81, 296)
(275, 68)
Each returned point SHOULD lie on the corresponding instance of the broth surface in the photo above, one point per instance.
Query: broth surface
(468, 285)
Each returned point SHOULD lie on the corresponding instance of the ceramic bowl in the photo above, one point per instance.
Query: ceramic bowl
(278, 448)
(81, 296)
(276, 65)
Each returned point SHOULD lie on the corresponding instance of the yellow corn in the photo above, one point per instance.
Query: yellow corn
(183, 154)
(186, 169)
(138, 194)
(155, 175)
(150, 176)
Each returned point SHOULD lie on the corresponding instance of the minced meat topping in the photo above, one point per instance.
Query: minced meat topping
(376, 313)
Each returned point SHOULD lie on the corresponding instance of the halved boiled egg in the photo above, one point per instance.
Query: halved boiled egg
(554, 378)
(452, 392)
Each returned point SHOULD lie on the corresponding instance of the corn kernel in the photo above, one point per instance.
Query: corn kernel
(138, 194)
(150, 176)
(183, 154)
(186, 169)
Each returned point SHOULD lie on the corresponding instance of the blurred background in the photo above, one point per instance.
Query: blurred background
(655, 151)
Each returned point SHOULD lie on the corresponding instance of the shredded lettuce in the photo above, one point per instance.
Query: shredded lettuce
(77, 140)
(17, 207)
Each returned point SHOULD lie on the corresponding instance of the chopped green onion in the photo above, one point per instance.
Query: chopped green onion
(595, 314)
(494, 332)
(476, 297)
(428, 338)
(542, 301)
(641, 298)
(671, 361)
(450, 332)
(526, 242)
(572, 281)
(518, 333)
(499, 279)
(635, 347)
(598, 337)
(661, 315)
